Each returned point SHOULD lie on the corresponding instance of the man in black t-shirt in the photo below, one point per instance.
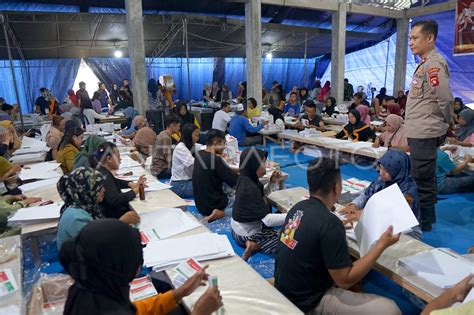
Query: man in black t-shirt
(313, 257)
(310, 119)
(209, 173)
(42, 102)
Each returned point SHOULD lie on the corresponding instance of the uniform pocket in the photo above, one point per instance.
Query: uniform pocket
(416, 90)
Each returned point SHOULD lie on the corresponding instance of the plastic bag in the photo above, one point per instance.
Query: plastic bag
(49, 294)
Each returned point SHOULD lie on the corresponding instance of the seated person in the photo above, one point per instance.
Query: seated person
(90, 147)
(293, 108)
(465, 129)
(207, 93)
(356, 101)
(313, 268)
(222, 118)
(106, 256)
(55, 135)
(225, 95)
(458, 107)
(82, 191)
(6, 111)
(394, 136)
(16, 140)
(115, 203)
(364, 114)
(183, 162)
(252, 108)
(90, 115)
(209, 173)
(185, 116)
(310, 119)
(8, 206)
(330, 107)
(69, 147)
(277, 111)
(163, 151)
(137, 122)
(356, 130)
(241, 128)
(6, 142)
(252, 217)
(145, 137)
(390, 106)
(394, 168)
(448, 302)
(446, 170)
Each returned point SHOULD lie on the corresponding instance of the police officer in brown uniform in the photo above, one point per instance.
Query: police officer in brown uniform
(429, 111)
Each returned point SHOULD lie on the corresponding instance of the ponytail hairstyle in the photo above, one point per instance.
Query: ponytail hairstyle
(68, 137)
(103, 151)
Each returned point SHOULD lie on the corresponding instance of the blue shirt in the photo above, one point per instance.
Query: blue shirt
(292, 109)
(71, 223)
(239, 126)
(444, 166)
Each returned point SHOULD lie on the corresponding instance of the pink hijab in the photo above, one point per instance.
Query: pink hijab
(397, 138)
(364, 114)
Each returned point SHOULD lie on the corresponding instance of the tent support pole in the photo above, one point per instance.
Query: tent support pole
(185, 30)
(386, 64)
(2, 18)
(305, 58)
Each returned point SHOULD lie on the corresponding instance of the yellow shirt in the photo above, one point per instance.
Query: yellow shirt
(156, 305)
(66, 157)
(5, 166)
(251, 113)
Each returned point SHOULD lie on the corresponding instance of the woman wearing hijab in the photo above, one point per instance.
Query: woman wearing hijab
(216, 91)
(458, 107)
(226, 94)
(90, 146)
(242, 92)
(330, 107)
(207, 93)
(465, 130)
(185, 116)
(356, 129)
(394, 168)
(364, 114)
(252, 218)
(82, 191)
(106, 256)
(394, 136)
(114, 94)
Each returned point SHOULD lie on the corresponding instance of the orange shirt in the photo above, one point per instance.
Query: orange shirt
(156, 305)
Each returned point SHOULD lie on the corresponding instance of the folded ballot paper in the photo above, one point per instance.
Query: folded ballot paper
(440, 266)
(168, 253)
(163, 223)
(44, 170)
(33, 215)
(385, 208)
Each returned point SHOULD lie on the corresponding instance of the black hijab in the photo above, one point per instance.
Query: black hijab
(330, 109)
(249, 205)
(276, 113)
(358, 124)
(102, 260)
(188, 118)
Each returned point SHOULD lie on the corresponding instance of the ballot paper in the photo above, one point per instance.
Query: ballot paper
(32, 215)
(385, 208)
(168, 253)
(142, 288)
(184, 271)
(45, 183)
(440, 266)
(8, 284)
(163, 223)
(350, 227)
(43, 170)
(156, 186)
(355, 185)
(28, 142)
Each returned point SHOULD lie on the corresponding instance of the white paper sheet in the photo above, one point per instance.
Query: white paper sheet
(25, 158)
(156, 186)
(39, 184)
(440, 266)
(47, 212)
(166, 222)
(43, 170)
(178, 249)
(30, 150)
(385, 208)
(28, 142)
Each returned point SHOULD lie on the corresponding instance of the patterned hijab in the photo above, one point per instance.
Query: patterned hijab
(80, 188)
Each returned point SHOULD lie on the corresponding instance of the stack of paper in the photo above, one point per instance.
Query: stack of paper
(43, 170)
(170, 252)
(163, 223)
(33, 215)
(156, 186)
(440, 266)
(350, 228)
(31, 145)
(385, 208)
(355, 185)
(45, 183)
(27, 158)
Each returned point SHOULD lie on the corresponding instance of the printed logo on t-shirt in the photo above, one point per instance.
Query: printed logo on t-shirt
(288, 234)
